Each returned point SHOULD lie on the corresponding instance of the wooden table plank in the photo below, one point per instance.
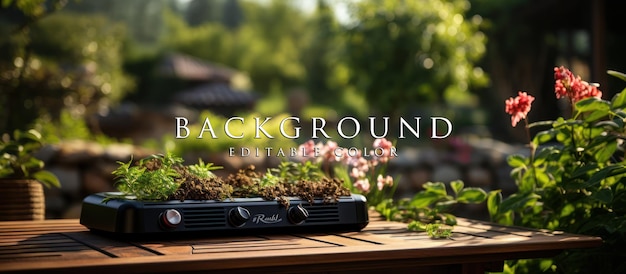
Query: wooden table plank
(337, 239)
(65, 245)
(110, 247)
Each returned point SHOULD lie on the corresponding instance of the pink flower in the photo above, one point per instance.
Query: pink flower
(307, 149)
(328, 152)
(360, 167)
(562, 77)
(356, 173)
(386, 146)
(354, 160)
(342, 156)
(568, 85)
(362, 185)
(518, 107)
(382, 182)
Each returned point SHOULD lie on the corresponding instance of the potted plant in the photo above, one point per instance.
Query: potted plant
(22, 176)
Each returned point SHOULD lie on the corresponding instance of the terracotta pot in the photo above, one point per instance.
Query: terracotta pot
(21, 200)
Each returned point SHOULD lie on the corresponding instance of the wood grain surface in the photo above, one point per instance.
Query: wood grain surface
(475, 247)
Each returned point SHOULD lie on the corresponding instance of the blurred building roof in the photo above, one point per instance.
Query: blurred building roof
(186, 67)
(214, 95)
(210, 85)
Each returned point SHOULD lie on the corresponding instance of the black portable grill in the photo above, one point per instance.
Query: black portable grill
(131, 217)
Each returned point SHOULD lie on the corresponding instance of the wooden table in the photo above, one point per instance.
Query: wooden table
(66, 246)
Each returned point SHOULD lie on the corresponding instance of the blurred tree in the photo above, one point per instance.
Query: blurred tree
(403, 53)
(16, 17)
(175, 6)
(202, 11)
(232, 16)
(271, 42)
(143, 18)
(267, 45)
(46, 70)
(209, 41)
(320, 55)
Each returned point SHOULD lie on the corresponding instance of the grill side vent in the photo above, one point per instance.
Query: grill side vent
(322, 214)
(202, 218)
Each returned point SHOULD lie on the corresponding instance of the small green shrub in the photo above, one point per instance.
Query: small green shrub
(293, 172)
(202, 170)
(153, 178)
(433, 205)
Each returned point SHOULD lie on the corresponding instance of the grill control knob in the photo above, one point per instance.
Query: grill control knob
(171, 218)
(238, 216)
(297, 214)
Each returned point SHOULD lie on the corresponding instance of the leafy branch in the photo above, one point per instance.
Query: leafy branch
(433, 205)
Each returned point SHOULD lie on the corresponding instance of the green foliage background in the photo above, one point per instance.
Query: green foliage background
(392, 56)
(419, 51)
(46, 70)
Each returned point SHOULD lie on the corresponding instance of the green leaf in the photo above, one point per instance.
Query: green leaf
(603, 174)
(47, 178)
(617, 74)
(610, 124)
(545, 264)
(416, 226)
(619, 100)
(423, 199)
(591, 104)
(544, 136)
(563, 135)
(527, 182)
(543, 155)
(516, 160)
(543, 179)
(437, 231)
(30, 136)
(437, 188)
(515, 173)
(605, 152)
(604, 195)
(619, 121)
(445, 205)
(456, 186)
(596, 115)
(449, 219)
(567, 210)
(494, 199)
(472, 195)
(580, 171)
(506, 218)
(517, 201)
